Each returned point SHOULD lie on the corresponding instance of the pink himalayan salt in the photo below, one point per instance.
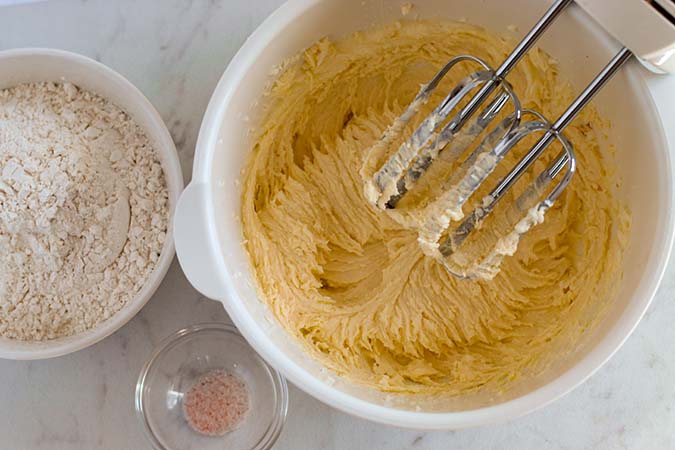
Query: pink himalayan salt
(216, 403)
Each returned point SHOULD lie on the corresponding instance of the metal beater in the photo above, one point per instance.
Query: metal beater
(471, 118)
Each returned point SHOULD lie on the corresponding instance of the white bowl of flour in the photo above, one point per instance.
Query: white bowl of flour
(89, 177)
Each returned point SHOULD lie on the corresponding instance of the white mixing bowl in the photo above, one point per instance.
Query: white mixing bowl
(208, 231)
(41, 64)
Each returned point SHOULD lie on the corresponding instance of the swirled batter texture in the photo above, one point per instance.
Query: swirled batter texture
(353, 285)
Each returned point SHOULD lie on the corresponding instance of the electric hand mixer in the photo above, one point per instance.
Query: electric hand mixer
(647, 30)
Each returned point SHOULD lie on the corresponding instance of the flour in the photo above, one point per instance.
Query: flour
(83, 210)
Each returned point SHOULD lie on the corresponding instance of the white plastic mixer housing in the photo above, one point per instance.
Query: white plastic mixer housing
(647, 28)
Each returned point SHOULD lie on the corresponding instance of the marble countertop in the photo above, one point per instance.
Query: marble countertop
(175, 51)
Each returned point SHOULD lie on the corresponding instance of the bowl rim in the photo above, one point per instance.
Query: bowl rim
(279, 384)
(32, 350)
(590, 363)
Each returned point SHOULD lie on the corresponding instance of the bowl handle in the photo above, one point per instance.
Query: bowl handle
(196, 253)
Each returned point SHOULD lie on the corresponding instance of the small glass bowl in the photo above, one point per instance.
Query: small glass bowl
(185, 356)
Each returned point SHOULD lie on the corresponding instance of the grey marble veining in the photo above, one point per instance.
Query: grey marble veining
(175, 51)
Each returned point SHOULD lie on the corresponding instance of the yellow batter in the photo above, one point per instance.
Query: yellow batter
(353, 285)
